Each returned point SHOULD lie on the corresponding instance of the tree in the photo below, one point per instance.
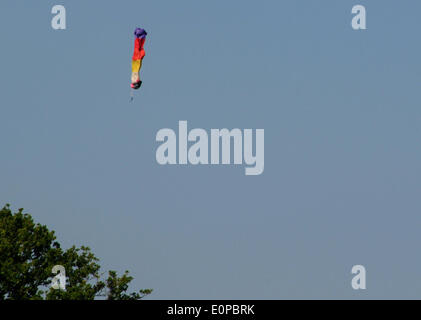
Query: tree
(28, 253)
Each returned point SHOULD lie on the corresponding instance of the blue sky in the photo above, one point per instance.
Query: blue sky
(341, 114)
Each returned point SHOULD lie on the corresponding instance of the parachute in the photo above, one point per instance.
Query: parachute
(138, 55)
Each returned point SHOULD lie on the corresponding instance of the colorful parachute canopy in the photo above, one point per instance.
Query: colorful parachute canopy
(138, 55)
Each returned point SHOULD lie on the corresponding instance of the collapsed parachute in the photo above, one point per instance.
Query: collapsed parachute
(138, 55)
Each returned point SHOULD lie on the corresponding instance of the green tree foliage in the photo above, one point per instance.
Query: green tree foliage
(29, 251)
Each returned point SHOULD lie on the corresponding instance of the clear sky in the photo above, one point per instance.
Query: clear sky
(341, 114)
